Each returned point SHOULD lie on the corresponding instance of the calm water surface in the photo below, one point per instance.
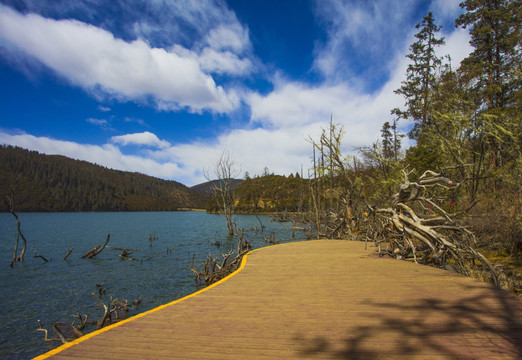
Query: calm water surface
(56, 290)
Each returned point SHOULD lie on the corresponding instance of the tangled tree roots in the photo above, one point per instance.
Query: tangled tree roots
(417, 228)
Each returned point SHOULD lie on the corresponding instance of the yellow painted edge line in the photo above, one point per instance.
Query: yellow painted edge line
(107, 328)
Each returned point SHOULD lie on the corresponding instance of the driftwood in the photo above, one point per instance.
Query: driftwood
(66, 332)
(162, 252)
(96, 250)
(122, 248)
(418, 228)
(41, 257)
(126, 255)
(272, 239)
(114, 310)
(125, 252)
(68, 253)
(213, 271)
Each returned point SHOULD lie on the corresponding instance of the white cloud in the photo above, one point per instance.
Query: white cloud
(98, 122)
(294, 105)
(229, 37)
(446, 10)
(224, 62)
(457, 46)
(216, 61)
(144, 138)
(94, 59)
(359, 32)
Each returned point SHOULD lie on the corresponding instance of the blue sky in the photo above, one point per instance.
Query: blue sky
(163, 87)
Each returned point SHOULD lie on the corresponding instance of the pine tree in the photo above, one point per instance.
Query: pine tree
(387, 141)
(420, 75)
(494, 70)
(396, 143)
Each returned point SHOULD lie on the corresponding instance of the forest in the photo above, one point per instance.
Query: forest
(38, 182)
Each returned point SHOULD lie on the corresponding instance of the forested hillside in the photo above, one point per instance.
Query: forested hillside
(267, 194)
(272, 193)
(40, 182)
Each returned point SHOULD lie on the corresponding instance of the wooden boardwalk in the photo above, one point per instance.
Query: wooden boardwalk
(321, 299)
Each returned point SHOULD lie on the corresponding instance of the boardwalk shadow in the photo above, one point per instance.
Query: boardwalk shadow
(429, 326)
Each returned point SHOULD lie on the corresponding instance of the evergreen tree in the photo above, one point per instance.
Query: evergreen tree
(420, 75)
(387, 141)
(396, 144)
(493, 71)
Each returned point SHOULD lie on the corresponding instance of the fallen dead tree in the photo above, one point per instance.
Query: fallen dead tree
(65, 332)
(114, 310)
(417, 227)
(96, 250)
(214, 271)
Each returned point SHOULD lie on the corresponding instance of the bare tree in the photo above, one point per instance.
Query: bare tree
(222, 187)
(19, 234)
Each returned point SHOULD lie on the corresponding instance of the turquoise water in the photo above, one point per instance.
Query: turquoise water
(56, 290)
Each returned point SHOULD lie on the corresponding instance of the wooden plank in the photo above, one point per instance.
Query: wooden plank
(323, 299)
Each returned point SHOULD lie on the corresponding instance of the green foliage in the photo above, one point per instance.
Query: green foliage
(420, 75)
(56, 183)
(493, 72)
(472, 116)
(271, 193)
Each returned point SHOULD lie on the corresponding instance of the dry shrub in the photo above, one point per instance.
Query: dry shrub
(497, 223)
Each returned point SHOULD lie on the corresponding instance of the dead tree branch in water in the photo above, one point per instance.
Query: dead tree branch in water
(66, 332)
(418, 227)
(114, 310)
(40, 256)
(213, 271)
(19, 234)
(162, 252)
(68, 253)
(96, 250)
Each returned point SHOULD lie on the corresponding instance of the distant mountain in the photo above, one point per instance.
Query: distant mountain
(206, 189)
(41, 182)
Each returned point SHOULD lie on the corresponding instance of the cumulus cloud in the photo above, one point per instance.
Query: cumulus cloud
(144, 138)
(280, 121)
(94, 59)
(295, 104)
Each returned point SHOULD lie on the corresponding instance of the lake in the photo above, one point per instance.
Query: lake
(56, 290)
